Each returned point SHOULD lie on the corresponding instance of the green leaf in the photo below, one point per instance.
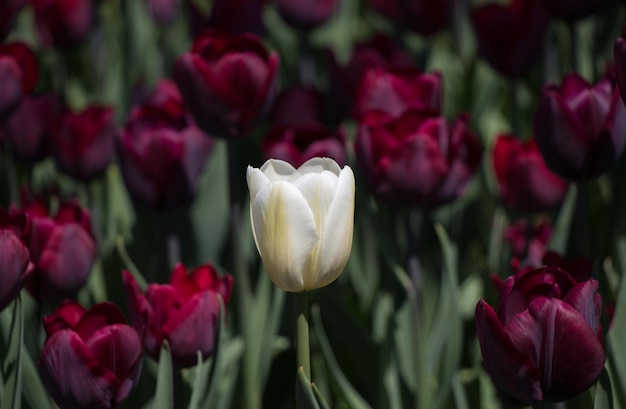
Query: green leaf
(563, 224)
(35, 392)
(344, 388)
(603, 397)
(617, 333)
(305, 397)
(206, 373)
(129, 264)
(164, 396)
(12, 366)
(320, 398)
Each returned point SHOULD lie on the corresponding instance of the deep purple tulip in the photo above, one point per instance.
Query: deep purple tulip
(162, 152)
(227, 82)
(573, 10)
(394, 93)
(524, 180)
(184, 312)
(63, 250)
(542, 343)
(8, 12)
(63, 23)
(528, 248)
(510, 37)
(91, 359)
(18, 75)
(14, 256)
(416, 160)
(84, 142)
(580, 128)
(425, 17)
(306, 15)
(297, 106)
(231, 16)
(30, 128)
(619, 71)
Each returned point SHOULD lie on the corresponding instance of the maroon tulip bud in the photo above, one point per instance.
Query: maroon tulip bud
(91, 359)
(297, 106)
(30, 128)
(18, 74)
(84, 142)
(526, 245)
(542, 343)
(8, 12)
(162, 152)
(63, 23)
(227, 82)
(416, 160)
(619, 53)
(524, 180)
(184, 312)
(580, 128)
(14, 256)
(425, 17)
(62, 249)
(306, 15)
(394, 93)
(163, 11)
(511, 36)
(573, 10)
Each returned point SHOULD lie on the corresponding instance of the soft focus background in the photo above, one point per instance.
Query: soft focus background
(481, 136)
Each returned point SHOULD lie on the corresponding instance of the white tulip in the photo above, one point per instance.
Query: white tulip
(302, 221)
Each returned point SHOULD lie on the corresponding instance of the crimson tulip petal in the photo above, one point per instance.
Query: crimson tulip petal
(513, 372)
(583, 298)
(66, 316)
(14, 259)
(99, 316)
(116, 347)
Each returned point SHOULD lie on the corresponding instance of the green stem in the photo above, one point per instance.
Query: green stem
(302, 335)
(516, 116)
(573, 46)
(581, 220)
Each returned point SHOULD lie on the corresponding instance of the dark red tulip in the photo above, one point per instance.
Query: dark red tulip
(84, 143)
(394, 93)
(161, 151)
(91, 358)
(18, 74)
(542, 343)
(580, 128)
(63, 23)
(511, 36)
(163, 11)
(416, 160)
(524, 180)
(14, 256)
(297, 106)
(184, 312)
(30, 128)
(619, 71)
(63, 250)
(425, 17)
(528, 247)
(573, 10)
(227, 82)
(306, 15)
(8, 11)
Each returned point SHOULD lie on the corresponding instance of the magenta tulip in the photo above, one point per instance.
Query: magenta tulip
(231, 16)
(184, 312)
(18, 74)
(619, 53)
(91, 359)
(63, 23)
(14, 256)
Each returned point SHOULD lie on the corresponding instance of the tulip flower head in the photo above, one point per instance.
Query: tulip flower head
(302, 221)
(15, 263)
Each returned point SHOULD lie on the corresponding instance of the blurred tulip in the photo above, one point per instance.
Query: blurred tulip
(163, 11)
(14, 256)
(302, 221)
(162, 153)
(528, 247)
(297, 106)
(510, 37)
(84, 143)
(184, 312)
(30, 128)
(306, 15)
(619, 53)
(572, 10)
(416, 160)
(63, 23)
(524, 180)
(62, 249)
(425, 17)
(227, 82)
(394, 93)
(580, 128)
(232, 16)
(8, 11)
(542, 343)
(18, 75)
(91, 359)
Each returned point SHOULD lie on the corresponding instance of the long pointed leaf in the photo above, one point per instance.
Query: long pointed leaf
(164, 397)
(603, 398)
(13, 361)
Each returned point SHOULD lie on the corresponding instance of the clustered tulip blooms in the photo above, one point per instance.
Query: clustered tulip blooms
(91, 358)
(185, 312)
(528, 242)
(14, 256)
(542, 343)
(302, 221)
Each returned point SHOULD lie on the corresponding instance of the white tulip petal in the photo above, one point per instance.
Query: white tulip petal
(339, 226)
(316, 165)
(276, 169)
(285, 234)
(256, 181)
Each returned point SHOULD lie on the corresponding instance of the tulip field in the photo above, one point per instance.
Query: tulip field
(349, 204)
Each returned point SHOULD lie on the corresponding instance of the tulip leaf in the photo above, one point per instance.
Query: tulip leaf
(343, 386)
(320, 398)
(12, 365)
(498, 225)
(129, 264)
(603, 398)
(617, 333)
(35, 392)
(560, 234)
(164, 396)
(305, 397)
(205, 373)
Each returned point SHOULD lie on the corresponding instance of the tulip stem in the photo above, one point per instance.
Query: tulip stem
(573, 46)
(302, 335)
(581, 215)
